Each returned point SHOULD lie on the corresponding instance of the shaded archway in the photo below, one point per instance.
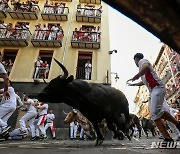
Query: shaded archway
(160, 17)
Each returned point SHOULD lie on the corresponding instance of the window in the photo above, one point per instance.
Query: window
(43, 63)
(8, 59)
(84, 66)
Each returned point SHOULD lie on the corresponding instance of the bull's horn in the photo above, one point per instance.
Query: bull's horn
(63, 68)
(45, 81)
(64, 112)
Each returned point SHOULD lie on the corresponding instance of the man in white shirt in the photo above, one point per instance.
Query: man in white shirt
(88, 69)
(50, 122)
(157, 91)
(7, 108)
(42, 111)
(37, 66)
(29, 116)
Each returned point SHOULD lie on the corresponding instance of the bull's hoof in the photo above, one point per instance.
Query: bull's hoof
(98, 142)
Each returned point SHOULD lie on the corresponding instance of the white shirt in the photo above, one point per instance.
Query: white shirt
(150, 78)
(49, 117)
(2, 69)
(88, 67)
(30, 107)
(12, 100)
(38, 63)
(44, 111)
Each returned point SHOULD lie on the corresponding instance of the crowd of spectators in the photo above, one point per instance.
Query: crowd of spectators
(89, 10)
(4, 5)
(50, 32)
(19, 31)
(28, 6)
(87, 34)
(54, 8)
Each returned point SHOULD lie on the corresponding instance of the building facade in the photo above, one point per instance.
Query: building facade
(75, 32)
(167, 66)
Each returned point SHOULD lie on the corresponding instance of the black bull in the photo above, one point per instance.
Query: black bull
(95, 101)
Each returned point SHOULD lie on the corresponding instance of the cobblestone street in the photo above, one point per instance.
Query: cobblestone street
(83, 147)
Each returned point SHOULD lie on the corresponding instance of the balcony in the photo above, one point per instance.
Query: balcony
(90, 1)
(61, 14)
(90, 40)
(27, 14)
(88, 15)
(14, 37)
(47, 38)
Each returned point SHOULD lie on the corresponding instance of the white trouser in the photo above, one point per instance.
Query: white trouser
(73, 131)
(40, 124)
(51, 125)
(30, 117)
(82, 133)
(156, 100)
(36, 127)
(36, 74)
(5, 113)
(87, 75)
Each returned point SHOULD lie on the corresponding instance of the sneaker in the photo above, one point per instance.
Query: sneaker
(5, 130)
(54, 138)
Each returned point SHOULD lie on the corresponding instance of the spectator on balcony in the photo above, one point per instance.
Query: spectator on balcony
(94, 35)
(37, 31)
(51, 9)
(99, 11)
(86, 10)
(9, 30)
(88, 69)
(25, 30)
(79, 9)
(17, 5)
(75, 35)
(53, 33)
(98, 34)
(46, 7)
(43, 33)
(34, 6)
(60, 33)
(37, 66)
(3, 27)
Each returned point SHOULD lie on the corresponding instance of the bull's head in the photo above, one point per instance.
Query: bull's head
(71, 116)
(53, 92)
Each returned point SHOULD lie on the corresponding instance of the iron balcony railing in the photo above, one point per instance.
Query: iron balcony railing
(48, 35)
(81, 73)
(88, 12)
(14, 33)
(55, 10)
(79, 36)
